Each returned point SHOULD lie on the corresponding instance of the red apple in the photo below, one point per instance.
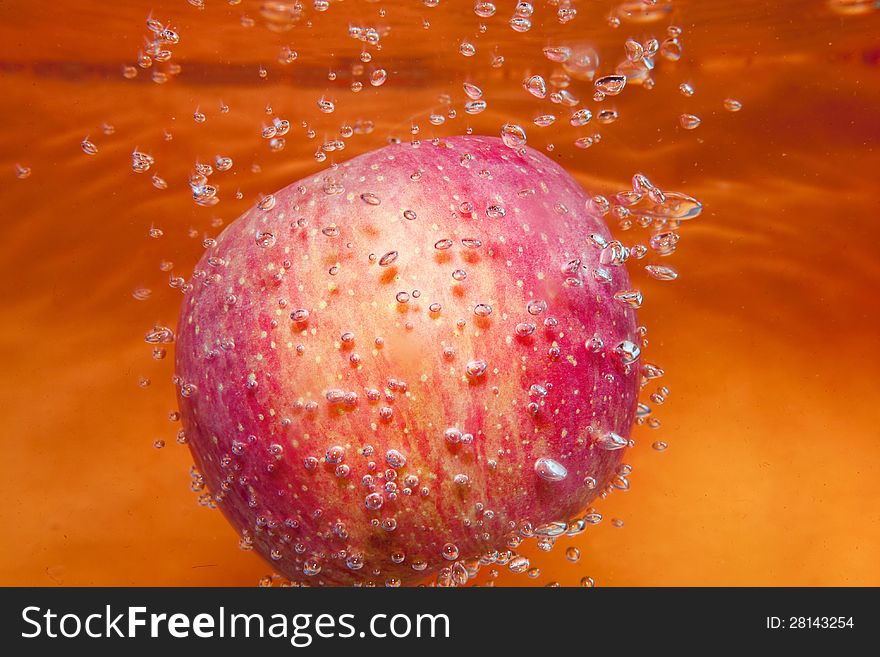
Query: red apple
(398, 364)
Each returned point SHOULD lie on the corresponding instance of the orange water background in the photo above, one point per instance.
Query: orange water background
(769, 337)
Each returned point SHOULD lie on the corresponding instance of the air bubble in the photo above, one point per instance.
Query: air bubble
(374, 501)
(472, 91)
(689, 121)
(264, 239)
(518, 564)
(335, 454)
(388, 258)
(536, 306)
(140, 162)
(536, 86)
(300, 315)
(558, 54)
(629, 298)
(525, 329)
(159, 335)
(326, 106)
(606, 116)
(732, 105)
(395, 459)
(661, 272)
(550, 470)
(611, 85)
(496, 211)
(611, 441)
(581, 117)
(450, 552)
(627, 351)
(475, 368)
(671, 49)
(513, 135)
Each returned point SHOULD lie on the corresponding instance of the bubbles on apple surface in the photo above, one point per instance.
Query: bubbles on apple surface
(460, 306)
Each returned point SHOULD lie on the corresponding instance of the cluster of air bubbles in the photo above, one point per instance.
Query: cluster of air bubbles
(521, 19)
(661, 213)
(274, 133)
(461, 568)
(581, 62)
(203, 192)
(576, 62)
(155, 56)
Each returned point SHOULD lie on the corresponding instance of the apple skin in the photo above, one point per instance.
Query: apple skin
(264, 396)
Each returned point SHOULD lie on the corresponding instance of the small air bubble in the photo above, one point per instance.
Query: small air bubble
(581, 117)
(476, 368)
(732, 105)
(661, 272)
(558, 54)
(536, 306)
(388, 258)
(550, 470)
(513, 135)
(611, 85)
(689, 121)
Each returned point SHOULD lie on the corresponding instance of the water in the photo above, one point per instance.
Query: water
(766, 335)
